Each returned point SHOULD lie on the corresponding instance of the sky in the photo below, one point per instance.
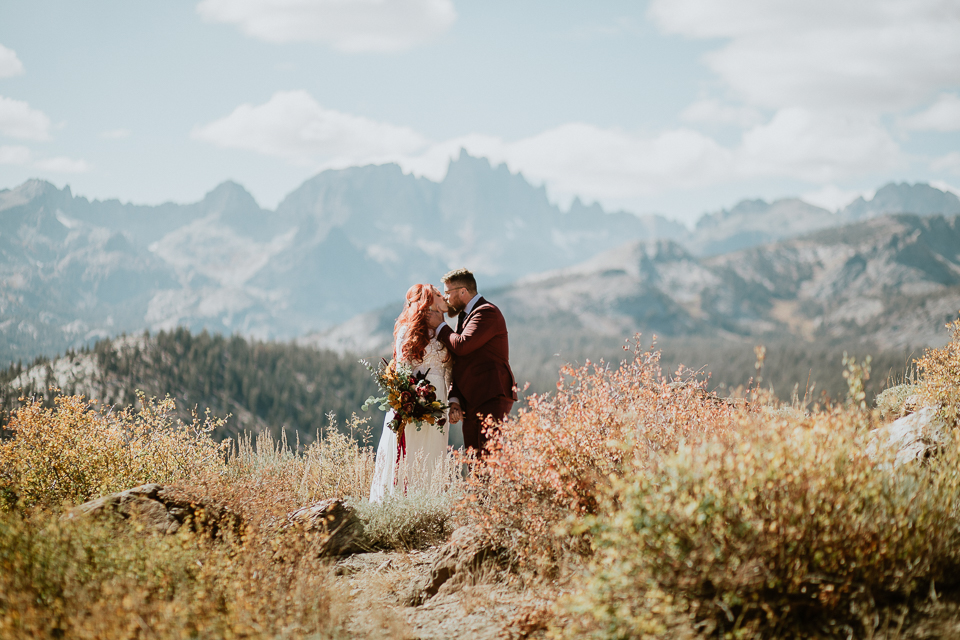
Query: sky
(670, 106)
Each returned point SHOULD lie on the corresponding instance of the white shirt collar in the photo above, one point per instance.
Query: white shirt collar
(471, 305)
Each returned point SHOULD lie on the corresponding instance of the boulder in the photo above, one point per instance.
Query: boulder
(915, 436)
(337, 524)
(161, 509)
(456, 561)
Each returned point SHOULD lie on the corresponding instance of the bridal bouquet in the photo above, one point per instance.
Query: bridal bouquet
(410, 395)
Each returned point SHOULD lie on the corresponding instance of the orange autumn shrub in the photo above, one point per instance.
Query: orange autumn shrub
(556, 458)
(940, 377)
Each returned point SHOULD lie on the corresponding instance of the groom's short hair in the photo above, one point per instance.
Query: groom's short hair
(461, 278)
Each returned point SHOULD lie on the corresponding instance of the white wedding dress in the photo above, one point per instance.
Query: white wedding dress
(425, 449)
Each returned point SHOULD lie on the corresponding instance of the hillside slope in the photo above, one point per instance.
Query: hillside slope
(262, 385)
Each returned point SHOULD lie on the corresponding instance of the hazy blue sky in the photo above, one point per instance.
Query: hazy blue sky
(674, 106)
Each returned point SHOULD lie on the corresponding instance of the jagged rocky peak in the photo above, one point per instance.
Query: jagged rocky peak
(229, 196)
(312, 196)
(759, 209)
(237, 208)
(741, 209)
(919, 198)
(32, 190)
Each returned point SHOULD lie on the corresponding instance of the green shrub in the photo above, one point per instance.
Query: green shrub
(77, 451)
(414, 520)
(780, 524)
(890, 401)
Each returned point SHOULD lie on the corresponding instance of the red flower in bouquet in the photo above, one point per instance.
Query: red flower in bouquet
(410, 395)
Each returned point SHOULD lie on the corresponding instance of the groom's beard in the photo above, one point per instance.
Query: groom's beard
(454, 310)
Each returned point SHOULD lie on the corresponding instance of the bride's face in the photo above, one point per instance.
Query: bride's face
(439, 304)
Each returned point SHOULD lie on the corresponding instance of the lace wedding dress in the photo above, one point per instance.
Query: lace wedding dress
(424, 448)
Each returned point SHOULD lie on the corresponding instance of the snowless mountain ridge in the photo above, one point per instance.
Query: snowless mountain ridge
(343, 243)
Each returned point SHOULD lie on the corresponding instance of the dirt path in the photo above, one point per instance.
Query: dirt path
(378, 582)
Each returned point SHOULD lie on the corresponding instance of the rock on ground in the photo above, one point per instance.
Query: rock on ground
(335, 521)
(161, 509)
(913, 437)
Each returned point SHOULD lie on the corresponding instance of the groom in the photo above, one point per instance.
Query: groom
(483, 385)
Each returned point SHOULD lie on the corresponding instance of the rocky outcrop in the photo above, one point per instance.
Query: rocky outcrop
(456, 562)
(161, 509)
(334, 523)
(915, 436)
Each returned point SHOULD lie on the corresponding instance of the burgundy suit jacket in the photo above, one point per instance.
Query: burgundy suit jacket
(481, 365)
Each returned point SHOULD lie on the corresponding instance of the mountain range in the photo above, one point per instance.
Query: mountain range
(350, 241)
(891, 281)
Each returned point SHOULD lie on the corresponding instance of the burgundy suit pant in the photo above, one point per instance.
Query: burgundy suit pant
(474, 417)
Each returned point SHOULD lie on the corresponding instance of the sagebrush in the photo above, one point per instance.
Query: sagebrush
(78, 450)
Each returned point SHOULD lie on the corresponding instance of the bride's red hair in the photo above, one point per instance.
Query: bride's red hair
(420, 298)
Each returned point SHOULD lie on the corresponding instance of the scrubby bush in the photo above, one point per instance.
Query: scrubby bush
(76, 450)
(890, 401)
(89, 578)
(412, 520)
(787, 524)
(940, 377)
(556, 458)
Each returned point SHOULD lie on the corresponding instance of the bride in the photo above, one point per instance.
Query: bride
(410, 458)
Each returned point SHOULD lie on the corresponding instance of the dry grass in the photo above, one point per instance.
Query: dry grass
(88, 578)
(77, 450)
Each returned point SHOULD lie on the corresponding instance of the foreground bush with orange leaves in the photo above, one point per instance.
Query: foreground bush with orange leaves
(787, 523)
(558, 456)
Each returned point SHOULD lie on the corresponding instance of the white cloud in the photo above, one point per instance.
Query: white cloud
(944, 186)
(942, 115)
(949, 163)
(10, 64)
(294, 126)
(24, 157)
(879, 55)
(19, 120)
(15, 155)
(611, 165)
(711, 111)
(346, 25)
(584, 159)
(817, 147)
(832, 197)
(62, 164)
(115, 134)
